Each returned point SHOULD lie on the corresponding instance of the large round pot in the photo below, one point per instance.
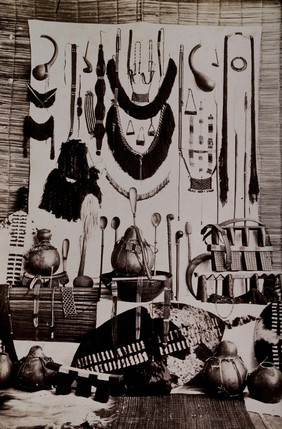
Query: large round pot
(225, 373)
(43, 259)
(131, 254)
(265, 383)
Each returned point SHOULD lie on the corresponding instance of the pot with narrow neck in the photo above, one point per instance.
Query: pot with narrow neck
(43, 259)
(265, 383)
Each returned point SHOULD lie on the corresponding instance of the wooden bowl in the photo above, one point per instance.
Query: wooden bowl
(127, 285)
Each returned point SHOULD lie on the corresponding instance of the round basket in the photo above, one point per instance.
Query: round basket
(127, 285)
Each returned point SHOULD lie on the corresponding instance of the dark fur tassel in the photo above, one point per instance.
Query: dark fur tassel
(64, 198)
(253, 184)
(223, 175)
(93, 187)
(140, 166)
(151, 109)
(72, 161)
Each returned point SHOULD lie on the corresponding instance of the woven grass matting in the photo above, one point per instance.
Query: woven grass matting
(180, 411)
(15, 73)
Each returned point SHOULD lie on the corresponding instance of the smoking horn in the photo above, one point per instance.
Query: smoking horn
(204, 82)
(41, 71)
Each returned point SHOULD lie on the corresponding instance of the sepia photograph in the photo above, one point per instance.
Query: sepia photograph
(140, 214)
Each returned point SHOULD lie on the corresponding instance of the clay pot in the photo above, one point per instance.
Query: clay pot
(224, 373)
(43, 257)
(265, 383)
(6, 367)
(32, 373)
(127, 257)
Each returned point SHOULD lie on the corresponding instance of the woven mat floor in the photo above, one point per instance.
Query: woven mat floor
(180, 412)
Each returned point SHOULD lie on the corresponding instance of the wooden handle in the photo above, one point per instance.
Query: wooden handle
(65, 252)
(133, 201)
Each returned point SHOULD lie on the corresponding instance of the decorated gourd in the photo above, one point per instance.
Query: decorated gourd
(225, 373)
(6, 367)
(265, 383)
(43, 259)
(132, 254)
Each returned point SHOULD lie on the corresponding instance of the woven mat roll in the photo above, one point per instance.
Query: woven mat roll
(180, 412)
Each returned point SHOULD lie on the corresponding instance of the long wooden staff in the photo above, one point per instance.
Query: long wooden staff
(169, 218)
(139, 283)
(178, 235)
(103, 224)
(188, 230)
(180, 106)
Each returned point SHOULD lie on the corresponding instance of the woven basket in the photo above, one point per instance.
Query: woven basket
(127, 285)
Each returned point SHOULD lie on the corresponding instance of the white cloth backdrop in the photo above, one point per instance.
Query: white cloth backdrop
(196, 208)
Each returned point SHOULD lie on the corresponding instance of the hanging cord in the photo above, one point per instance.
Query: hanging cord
(89, 112)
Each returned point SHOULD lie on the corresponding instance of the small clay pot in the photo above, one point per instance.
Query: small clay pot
(265, 383)
(43, 258)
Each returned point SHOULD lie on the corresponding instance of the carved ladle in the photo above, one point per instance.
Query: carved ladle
(156, 220)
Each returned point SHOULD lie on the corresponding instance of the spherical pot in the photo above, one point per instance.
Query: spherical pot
(225, 373)
(127, 256)
(265, 383)
(225, 376)
(5, 369)
(43, 258)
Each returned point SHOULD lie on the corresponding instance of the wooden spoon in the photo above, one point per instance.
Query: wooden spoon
(103, 225)
(156, 220)
(115, 223)
(133, 202)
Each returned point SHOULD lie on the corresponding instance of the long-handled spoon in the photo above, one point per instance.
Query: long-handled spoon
(103, 224)
(115, 223)
(133, 202)
(178, 235)
(156, 220)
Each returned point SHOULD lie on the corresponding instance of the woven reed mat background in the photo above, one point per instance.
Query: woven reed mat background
(180, 412)
(15, 72)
